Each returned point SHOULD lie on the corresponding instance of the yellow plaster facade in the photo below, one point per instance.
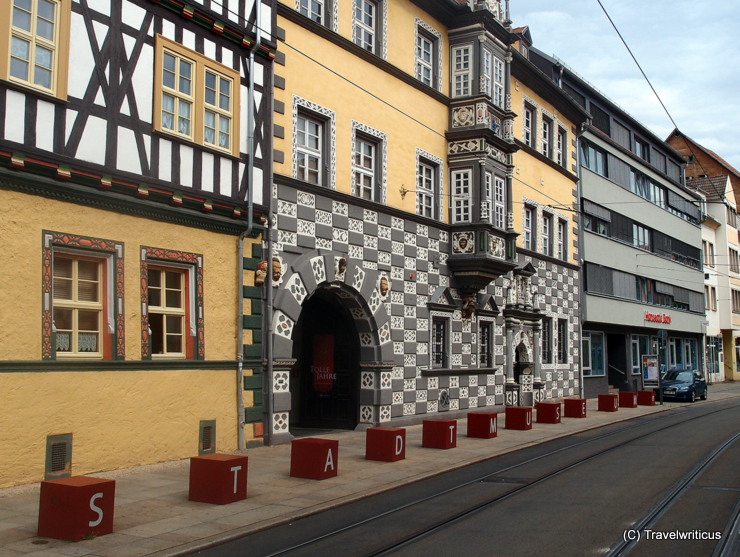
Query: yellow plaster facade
(537, 177)
(118, 417)
(385, 103)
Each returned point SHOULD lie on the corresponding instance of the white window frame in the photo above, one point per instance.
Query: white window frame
(426, 189)
(562, 238)
(486, 72)
(498, 82)
(365, 34)
(462, 60)
(499, 203)
(308, 9)
(547, 128)
(425, 58)
(365, 166)
(439, 323)
(547, 221)
(528, 123)
(305, 151)
(528, 226)
(562, 146)
(462, 184)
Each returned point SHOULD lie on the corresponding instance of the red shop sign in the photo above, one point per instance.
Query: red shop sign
(658, 318)
(322, 369)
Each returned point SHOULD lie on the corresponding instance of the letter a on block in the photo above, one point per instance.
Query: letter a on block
(399, 444)
(493, 426)
(329, 461)
(235, 469)
(97, 510)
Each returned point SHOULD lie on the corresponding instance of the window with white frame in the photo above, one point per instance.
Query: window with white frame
(486, 209)
(461, 190)
(546, 147)
(486, 72)
(547, 234)
(499, 203)
(498, 82)
(440, 356)
(309, 145)
(314, 9)
(426, 58)
(528, 124)
(427, 189)
(365, 24)
(461, 70)
(708, 251)
(365, 168)
(561, 147)
(562, 252)
(528, 227)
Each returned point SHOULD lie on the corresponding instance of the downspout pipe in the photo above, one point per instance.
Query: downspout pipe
(241, 422)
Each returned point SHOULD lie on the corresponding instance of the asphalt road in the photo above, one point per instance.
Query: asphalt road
(624, 489)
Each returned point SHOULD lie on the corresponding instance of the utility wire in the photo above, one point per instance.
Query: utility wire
(639, 67)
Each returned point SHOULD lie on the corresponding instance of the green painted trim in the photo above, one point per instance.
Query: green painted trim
(253, 414)
(252, 292)
(47, 366)
(254, 444)
(252, 382)
(252, 322)
(257, 251)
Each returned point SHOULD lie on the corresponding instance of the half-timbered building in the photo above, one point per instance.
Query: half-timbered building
(135, 141)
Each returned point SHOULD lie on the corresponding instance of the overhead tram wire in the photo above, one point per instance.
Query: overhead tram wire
(639, 67)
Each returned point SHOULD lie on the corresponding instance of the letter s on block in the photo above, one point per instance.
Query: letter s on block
(95, 508)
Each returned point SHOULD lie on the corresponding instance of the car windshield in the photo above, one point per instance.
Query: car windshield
(679, 376)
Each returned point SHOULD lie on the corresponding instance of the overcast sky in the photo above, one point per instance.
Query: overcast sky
(690, 51)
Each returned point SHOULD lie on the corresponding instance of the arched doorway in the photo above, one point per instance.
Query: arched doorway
(325, 379)
(523, 375)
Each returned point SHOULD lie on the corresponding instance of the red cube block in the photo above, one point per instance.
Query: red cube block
(608, 402)
(385, 443)
(314, 458)
(518, 417)
(439, 434)
(483, 425)
(218, 478)
(574, 407)
(646, 398)
(76, 507)
(627, 399)
(548, 412)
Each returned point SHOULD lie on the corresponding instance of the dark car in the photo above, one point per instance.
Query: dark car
(683, 385)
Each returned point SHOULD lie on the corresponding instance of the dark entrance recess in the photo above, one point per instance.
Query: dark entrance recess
(327, 349)
(522, 366)
(619, 370)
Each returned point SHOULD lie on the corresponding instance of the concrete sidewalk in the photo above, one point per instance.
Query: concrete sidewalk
(153, 516)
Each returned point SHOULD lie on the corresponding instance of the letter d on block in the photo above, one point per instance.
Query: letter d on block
(399, 444)
(96, 509)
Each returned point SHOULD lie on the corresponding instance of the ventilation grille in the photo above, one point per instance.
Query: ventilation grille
(207, 437)
(58, 456)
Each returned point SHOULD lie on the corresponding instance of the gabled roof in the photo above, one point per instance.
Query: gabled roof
(709, 152)
(713, 187)
(524, 34)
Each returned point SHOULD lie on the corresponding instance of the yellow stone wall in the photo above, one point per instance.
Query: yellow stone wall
(368, 95)
(118, 418)
(533, 177)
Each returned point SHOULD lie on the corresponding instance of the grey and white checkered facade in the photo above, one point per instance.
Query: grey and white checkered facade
(314, 232)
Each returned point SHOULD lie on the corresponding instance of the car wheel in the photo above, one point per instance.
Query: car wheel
(705, 395)
(692, 396)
